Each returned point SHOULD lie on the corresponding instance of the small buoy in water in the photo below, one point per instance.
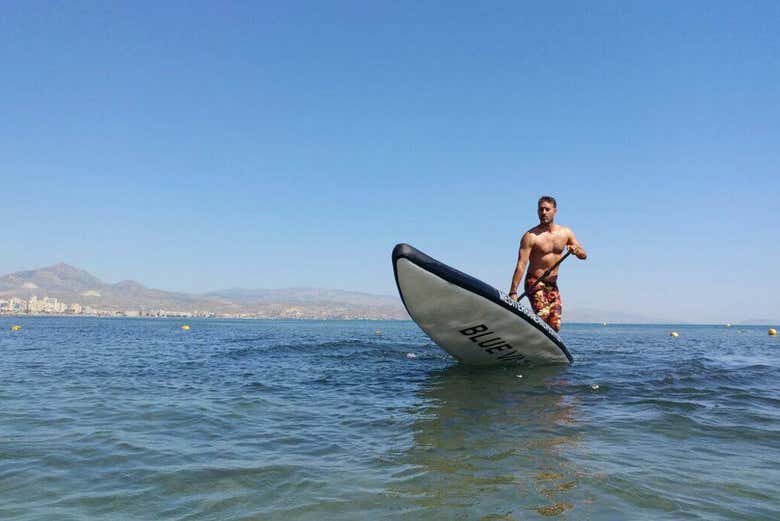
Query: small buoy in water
(377, 332)
(595, 387)
(185, 327)
(728, 325)
(411, 356)
(519, 375)
(603, 323)
(16, 328)
(772, 332)
(674, 334)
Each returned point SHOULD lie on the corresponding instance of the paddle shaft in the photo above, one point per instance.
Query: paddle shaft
(541, 279)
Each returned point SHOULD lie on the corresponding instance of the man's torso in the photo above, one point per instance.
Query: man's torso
(548, 246)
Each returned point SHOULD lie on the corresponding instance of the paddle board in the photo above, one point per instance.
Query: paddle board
(469, 319)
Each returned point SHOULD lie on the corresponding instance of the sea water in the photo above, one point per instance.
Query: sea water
(137, 419)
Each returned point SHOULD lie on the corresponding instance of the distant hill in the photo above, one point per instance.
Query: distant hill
(60, 278)
(72, 285)
(594, 316)
(302, 295)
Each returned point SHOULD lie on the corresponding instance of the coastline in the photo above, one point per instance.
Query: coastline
(735, 326)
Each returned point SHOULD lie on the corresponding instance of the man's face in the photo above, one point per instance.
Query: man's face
(546, 212)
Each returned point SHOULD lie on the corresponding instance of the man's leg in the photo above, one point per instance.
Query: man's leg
(555, 303)
(538, 298)
(546, 302)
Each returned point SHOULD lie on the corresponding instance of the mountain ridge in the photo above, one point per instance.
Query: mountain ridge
(70, 284)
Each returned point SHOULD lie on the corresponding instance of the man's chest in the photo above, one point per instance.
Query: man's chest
(549, 243)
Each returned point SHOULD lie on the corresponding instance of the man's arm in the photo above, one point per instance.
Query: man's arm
(526, 243)
(575, 247)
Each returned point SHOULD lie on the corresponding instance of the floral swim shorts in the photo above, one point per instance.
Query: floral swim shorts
(546, 301)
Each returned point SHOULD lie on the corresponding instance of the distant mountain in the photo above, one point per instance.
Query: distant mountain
(594, 316)
(60, 278)
(73, 285)
(70, 284)
(299, 295)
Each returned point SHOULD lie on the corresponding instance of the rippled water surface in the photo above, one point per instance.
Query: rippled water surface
(239, 420)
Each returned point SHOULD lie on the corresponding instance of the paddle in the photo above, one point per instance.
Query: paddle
(540, 279)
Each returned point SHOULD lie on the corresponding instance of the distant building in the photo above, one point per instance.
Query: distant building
(34, 305)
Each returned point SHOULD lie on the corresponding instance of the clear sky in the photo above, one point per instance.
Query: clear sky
(195, 146)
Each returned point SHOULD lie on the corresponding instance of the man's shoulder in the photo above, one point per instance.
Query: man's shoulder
(533, 231)
(529, 235)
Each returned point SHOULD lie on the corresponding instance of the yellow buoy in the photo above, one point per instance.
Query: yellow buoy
(674, 334)
(16, 328)
(772, 332)
(185, 327)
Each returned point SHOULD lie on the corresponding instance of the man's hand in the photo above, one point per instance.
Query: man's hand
(577, 251)
(574, 246)
(513, 295)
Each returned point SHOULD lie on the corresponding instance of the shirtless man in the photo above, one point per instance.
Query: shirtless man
(543, 245)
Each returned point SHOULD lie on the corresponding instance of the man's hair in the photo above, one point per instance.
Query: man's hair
(547, 199)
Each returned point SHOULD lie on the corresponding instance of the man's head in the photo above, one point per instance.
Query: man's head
(546, 209)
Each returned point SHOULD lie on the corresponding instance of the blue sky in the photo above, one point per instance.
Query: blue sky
(194, 146)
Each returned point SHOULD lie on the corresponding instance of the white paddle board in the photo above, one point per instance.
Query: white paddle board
(469, 319)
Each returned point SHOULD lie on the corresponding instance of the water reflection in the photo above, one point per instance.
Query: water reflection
(494, 442)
